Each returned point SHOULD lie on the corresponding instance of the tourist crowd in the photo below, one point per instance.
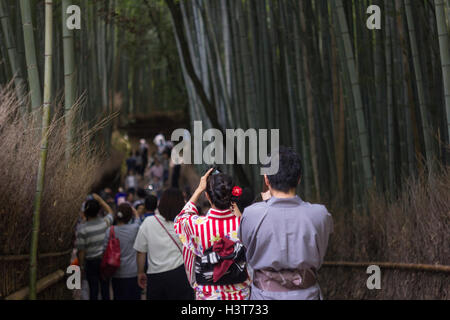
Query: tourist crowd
(155, 243)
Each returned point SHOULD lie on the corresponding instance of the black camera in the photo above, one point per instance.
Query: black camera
(215, 171)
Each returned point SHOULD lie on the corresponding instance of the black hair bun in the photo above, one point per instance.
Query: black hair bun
(219, 189)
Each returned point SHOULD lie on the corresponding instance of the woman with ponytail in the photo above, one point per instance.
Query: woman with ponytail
(213, 255)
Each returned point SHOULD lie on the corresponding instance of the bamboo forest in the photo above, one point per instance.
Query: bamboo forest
(350, 99)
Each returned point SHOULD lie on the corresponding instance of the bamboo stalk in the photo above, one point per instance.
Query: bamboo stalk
(419, 81)
(381, 110)
(301, 110)
(309, 107)
(356, 91)
(389, 94)
(444, 44)
(409, 100)
(290, 89)
(338, 101)
(44, 145)
(30, 54)
(209, 107)
(69, 75)
(238, 84)
(224, 86)
(198, 85)
(249, 94)
(19, 84)
(227, 45)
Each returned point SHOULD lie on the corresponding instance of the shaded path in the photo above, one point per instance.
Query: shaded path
(147, 127)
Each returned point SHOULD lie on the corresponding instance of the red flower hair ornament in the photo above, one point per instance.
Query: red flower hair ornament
(236, 193)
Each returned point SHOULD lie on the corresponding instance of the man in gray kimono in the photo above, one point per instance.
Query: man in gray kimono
(286, 238)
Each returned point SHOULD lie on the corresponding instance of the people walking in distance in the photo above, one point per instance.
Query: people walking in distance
(286, 238)
(89, 243)
(213, 254)
(160, 143)
(166, 165)
(165, 278)
(141, 194)
(139, 202)
(143, 152)
(124, 281)
(157, 169)
(139, 162)
(156, 176)
(175, 167)
(131, 181)
(150, 204)
(139, 206)
(131, 195)
(120, 197)
(131, 163)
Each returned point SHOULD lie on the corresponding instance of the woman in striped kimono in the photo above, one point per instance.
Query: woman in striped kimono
(213, 255)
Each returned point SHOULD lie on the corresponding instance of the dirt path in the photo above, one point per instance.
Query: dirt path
(161, 122)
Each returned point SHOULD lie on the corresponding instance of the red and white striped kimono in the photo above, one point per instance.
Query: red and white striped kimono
(198, 233)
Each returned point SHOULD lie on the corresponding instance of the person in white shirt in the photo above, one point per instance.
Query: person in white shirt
(166, 277)
(131, 181)
(160, 142)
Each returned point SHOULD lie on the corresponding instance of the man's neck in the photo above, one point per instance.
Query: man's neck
(283, 195)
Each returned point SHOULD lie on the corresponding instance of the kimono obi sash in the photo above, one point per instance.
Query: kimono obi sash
(222, 264)
(284, 280)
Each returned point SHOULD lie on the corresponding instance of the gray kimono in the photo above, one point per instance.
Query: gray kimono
(285, 234)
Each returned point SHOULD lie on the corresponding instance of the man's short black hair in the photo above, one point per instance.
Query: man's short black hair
(151, 202)
(141, 193)
(289, 171)
(91, 208)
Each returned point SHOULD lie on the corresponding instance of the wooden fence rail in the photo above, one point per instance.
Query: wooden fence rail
(386, 265)
(390, 265)
(27, 256)
(41, 285)
(55, 277)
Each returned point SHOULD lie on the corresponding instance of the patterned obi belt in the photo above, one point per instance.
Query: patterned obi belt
(284, 280)
(222, 264)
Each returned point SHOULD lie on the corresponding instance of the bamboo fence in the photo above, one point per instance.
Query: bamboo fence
(14, 270)
(52, 278)
(390, 265)
(41, 285)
